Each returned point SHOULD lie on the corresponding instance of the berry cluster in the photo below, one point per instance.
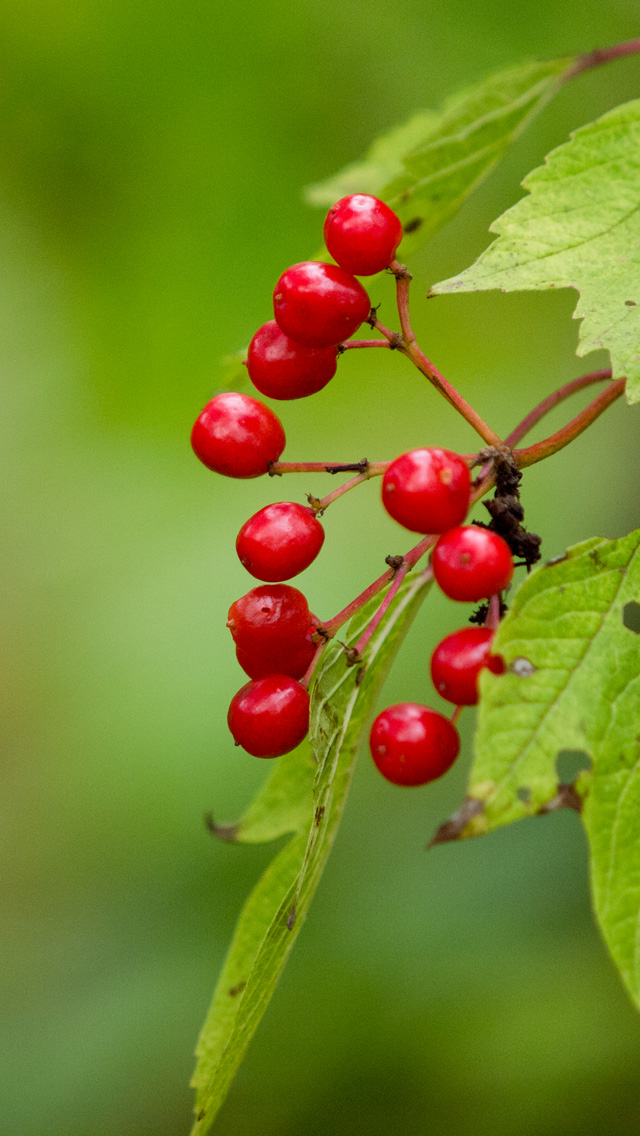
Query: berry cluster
(317, 308)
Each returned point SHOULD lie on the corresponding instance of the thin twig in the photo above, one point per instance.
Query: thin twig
(555, 442)
(548, 403)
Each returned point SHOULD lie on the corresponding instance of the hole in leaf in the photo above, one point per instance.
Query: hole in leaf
(631, 616)
(571, 762)
(524, 794)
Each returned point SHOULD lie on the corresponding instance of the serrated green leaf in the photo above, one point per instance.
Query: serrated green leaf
(572, 683)
(342, 698)
(579, 228)
(427, 168)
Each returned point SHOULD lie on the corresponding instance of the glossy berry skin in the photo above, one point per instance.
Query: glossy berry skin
(269, 717)
(281, 368)
(238, 436)
(319, 305)
(271, 628)
(412, 744)
(427, 490)
(471, 563)
(280, 541)
(362, 234)
(457, 661)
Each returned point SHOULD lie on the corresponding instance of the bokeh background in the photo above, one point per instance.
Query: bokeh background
(152, 157)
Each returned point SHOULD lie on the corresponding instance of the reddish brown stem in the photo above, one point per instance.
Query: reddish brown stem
(493, 614)
(319, 504)
(403, 280)
(602, 55)
(277, 469)
(426, 367)
(384, 606)
(410, 559)
(552, 400)
(555, 442)
(363, 343)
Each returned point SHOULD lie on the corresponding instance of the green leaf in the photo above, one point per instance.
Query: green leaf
(579, 228)
(427, 168)
(572, 683)
(342, 698)
(283, 805)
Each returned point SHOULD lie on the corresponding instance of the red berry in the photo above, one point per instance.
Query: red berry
(427, 490)
(237, 435)
(457, 661)
(281, 368)
(271, 628)
(362, 234)
(269, 717)
(412, 744)
(471, 563)
(319, 305)
(280, 541)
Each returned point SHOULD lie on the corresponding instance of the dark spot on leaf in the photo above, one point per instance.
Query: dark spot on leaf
(571, 762)
(319, 814)
(631, 303)
(233, 991)
(413, 225)
(201, 1115)
(631, 616)
(524, 794)
(522, 668)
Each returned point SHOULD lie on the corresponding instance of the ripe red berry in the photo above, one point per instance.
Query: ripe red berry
(319, 305)
(457, 661)
(412, 744)
(280, 541)
(237, 435)
(362, 234)
(281, 368)
(471, 563)
(269, 717)
(271, 628)
(427, 490)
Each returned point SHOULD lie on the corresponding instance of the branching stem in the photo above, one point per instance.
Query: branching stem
(555, 442)
(552, 400)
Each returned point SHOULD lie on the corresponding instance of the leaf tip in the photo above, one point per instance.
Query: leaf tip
(226, 832)
(453, 829)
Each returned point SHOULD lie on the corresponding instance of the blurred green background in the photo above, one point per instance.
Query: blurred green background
(152, 157)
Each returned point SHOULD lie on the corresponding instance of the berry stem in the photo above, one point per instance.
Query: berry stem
(456, 714)
(426, 367)
(319, 504)
(548, 403)
(403, 280)
(555, 442)
(363, 343)
(493, 614)
(308, 674)
(409, 560)
(376, 619)
(372, 469)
